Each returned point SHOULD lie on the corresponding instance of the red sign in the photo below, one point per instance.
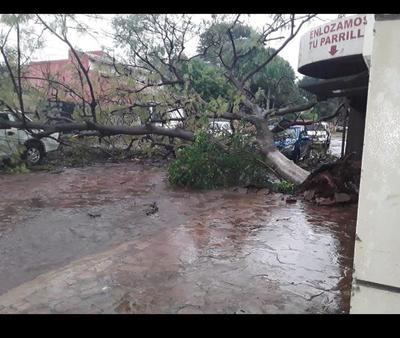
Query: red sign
(333, 50)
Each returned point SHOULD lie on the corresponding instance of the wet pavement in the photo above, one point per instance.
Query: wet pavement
(84, 241)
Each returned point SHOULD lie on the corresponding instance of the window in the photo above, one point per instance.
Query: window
(284, 135)
(4, 116)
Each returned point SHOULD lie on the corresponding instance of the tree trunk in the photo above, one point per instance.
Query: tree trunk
(286, 168)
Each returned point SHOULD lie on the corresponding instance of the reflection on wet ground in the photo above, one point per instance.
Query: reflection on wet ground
(81, 242)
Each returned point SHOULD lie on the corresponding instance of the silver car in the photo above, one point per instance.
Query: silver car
(12, 138)
(320, 134)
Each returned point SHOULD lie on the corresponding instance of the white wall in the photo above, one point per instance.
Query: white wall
(368, 39)
(377, 252)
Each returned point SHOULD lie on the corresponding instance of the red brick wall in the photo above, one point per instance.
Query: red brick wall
(65, 71)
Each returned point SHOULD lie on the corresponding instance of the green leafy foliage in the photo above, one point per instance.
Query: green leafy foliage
(207, 80)
(284, 187)
(207, 164)
(14, 164)
(274, 85)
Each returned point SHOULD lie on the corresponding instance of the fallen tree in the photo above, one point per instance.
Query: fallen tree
(159, 78)
(273, 157)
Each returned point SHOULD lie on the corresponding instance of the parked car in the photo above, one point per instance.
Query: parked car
(220, 126)
(340, 128)
(12, 138)
(293, 143)
(320, 134)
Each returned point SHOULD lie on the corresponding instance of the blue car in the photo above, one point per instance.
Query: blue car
(293, 143)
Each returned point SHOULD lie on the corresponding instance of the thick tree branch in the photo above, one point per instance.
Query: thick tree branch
(284, 124)
(289, 110)
(104, 130)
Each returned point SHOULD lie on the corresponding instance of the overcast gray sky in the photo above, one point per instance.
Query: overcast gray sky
(55, 49)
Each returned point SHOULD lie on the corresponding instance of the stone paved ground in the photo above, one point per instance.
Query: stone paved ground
(202, 252)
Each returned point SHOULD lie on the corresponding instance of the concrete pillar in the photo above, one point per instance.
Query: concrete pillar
(355, 134)
(376, 277)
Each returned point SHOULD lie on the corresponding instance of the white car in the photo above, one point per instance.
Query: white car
(12, 138)
(220, 126)
(319, 133)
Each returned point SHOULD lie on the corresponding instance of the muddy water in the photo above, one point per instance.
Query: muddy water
(82, 241)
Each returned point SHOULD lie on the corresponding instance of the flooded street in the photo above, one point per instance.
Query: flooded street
(117, 239)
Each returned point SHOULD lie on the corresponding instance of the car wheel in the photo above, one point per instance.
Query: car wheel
(33, 154)
(313, 156)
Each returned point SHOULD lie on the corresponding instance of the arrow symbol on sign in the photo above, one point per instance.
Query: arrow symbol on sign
(333, 50)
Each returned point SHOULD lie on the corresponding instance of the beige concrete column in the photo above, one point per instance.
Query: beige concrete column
(376, 279)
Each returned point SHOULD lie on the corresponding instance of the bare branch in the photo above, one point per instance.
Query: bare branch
(293, 33)
(69, 89)
(287, 123)
(85, 71)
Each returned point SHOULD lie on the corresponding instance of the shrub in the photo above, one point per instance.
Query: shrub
(208, 163)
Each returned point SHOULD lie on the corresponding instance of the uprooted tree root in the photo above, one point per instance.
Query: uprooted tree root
(334, 183)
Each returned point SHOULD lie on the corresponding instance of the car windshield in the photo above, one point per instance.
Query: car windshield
(4, 116)
(284, 135)
(18, 115)
(316, 127)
